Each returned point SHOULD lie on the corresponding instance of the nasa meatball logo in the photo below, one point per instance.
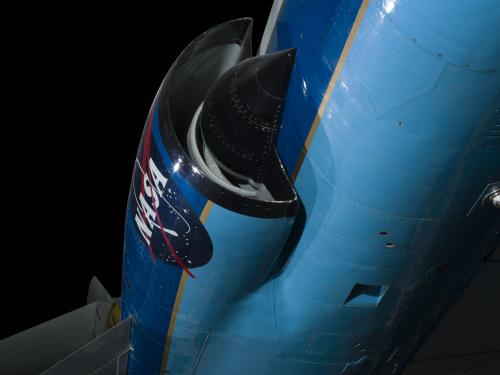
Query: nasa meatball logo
(167, 225)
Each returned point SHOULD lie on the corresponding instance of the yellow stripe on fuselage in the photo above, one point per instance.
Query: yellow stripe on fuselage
(310, 136)
(329, 89)
(178, 298)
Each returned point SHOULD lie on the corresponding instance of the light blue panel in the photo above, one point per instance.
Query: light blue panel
(246, 342)
(393, 100)
(245, 249)
(406, 145)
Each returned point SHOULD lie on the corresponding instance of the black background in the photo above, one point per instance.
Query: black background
(79, 84)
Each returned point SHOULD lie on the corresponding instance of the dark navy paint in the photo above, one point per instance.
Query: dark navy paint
(307, 28)
(154, 191)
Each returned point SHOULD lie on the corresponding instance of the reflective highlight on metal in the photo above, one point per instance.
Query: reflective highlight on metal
(405, 144)
(192, 247)
(493, 197)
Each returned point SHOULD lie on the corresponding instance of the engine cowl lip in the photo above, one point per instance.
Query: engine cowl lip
(177, 151)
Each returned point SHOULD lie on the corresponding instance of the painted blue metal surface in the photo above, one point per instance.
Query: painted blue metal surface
(319, 30)
(246, 248)
(159, 195)
(405, 146)
(169, 253)
(391, 132)
(150, 285)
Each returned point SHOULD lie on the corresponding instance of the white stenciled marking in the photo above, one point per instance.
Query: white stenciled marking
(160, 193)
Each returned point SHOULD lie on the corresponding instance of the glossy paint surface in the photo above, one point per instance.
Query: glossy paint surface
(390, 133)
(406, 143)
(176, 284)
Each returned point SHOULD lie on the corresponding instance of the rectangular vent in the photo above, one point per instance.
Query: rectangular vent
(363, 295)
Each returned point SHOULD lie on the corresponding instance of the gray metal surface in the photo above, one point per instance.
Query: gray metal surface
(271, 23)
(107, 354)
(36, 349)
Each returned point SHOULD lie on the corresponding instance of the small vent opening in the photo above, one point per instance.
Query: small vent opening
(363, 295)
